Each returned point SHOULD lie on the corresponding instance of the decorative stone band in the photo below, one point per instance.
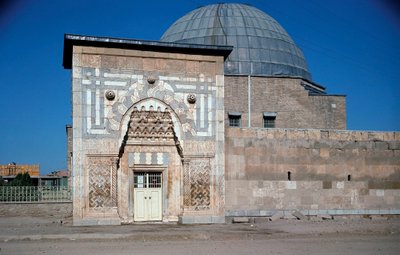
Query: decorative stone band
(147, 158)
(288, 213)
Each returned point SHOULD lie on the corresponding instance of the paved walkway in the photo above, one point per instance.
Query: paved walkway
(32, 235)
(31, 228)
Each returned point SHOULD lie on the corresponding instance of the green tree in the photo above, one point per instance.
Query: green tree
(22, 180)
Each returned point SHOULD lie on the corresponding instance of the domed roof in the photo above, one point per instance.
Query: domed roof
(261, 45)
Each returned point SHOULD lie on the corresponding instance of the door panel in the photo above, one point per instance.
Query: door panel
(140, 212)
(155, 212)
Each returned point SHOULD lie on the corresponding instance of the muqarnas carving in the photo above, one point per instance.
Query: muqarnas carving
(151, 124)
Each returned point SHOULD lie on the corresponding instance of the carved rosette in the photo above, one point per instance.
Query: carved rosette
(151, 79)
(110, 95)
(191, 98)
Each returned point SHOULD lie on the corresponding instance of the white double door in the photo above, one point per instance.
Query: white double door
(147, 196)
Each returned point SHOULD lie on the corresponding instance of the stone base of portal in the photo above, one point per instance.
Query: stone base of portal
(96, 221)
(201, 219)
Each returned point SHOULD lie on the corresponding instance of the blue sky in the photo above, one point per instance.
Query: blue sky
(352, 47)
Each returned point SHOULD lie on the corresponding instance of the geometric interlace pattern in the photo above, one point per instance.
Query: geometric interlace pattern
(197, 184)
(102, 182)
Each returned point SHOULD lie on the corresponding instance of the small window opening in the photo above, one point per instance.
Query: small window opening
(289, 176)
(349, 177)
(234, 119)
(269, 119)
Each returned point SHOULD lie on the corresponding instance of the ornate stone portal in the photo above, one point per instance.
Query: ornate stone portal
(134, 138)
(150, 147)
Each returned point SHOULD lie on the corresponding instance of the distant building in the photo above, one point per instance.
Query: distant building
(56, 179)
(220, 118)
(13, 169)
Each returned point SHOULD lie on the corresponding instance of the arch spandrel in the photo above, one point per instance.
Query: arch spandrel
(161, 95)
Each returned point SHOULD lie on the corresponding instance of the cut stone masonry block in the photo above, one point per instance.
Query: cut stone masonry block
(299, 215)
(278, 215)
(325, 216)
(240, 220)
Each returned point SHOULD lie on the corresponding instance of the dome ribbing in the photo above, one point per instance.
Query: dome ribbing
(261, 46)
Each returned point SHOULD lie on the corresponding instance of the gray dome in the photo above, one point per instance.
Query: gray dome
(261, 45)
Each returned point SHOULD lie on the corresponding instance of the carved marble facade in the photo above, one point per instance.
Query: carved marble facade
(143, 110)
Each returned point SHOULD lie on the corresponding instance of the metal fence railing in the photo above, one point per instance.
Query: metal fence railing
(34, 194)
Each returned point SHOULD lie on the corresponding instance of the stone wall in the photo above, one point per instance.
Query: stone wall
(48, 210)
(294, 107)
(316, 171)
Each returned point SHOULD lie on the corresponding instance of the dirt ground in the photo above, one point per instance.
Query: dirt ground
(28, 235)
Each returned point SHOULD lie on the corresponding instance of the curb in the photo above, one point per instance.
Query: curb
(101, 236)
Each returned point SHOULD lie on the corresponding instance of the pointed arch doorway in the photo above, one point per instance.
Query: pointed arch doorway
(151, 166)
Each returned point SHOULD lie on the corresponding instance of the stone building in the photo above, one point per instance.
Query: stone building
(219, 118)
(266, 75)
